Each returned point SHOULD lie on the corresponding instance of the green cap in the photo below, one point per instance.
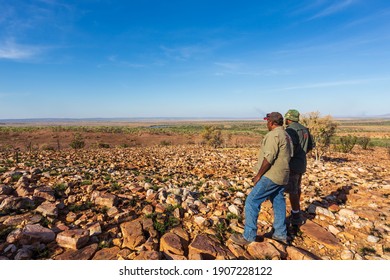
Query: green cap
(292, 115)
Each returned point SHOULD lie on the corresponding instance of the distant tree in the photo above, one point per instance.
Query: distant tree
(77, 142)
(322, 129)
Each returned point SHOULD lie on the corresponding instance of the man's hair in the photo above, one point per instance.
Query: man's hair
(275, 117)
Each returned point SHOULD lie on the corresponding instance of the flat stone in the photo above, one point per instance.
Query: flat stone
(85, 253)
(263, 251)
(347, 255)
(173, 257)
(295, 253)
(46, 193)
(199, 220)
(107, 254)
(73, 239)
(37, 233)
(48, 209)
(209, 248)
(113, 211)
(106, 199)
(320, 235)
(234, 209)
(16, 203)
(94, 229)
(148, 255)
(171, 243)
(348, 215)
(238, 251)
(318, 210)
(27, 218)
(24, 254)
(148, 209)
(372, 239)
(371, 215)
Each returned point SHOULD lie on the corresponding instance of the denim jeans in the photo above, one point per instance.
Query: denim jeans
(263, 190)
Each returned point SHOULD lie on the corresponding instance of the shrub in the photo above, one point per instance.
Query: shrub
(77, 142)
(322, 129)
(367, 251)
(115, 187)
(345, 144)
(47, 147)
(165, 143)
(212, 136)
(364, 142)
(104, 145)
(388, 150)
(60, 187)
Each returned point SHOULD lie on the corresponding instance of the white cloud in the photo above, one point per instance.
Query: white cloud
(240, 69)
(113, 59)
(333, 84)
(333, 8)
(12, 51)
(185, 53)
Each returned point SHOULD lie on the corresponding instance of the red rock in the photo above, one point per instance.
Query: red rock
(107, 254)
(85, 253)
(133, 235)
(73, 239)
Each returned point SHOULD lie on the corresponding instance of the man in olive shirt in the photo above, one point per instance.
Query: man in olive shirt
(303, 143)
(269, 182)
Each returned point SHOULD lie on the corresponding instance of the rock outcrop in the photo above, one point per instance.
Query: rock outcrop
(183, 203)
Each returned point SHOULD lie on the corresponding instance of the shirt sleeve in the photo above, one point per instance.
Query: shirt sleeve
(271, 148)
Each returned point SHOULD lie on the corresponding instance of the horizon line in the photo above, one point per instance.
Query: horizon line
(98, 119)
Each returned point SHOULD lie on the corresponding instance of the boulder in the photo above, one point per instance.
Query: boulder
(132, 233)
(73, 239)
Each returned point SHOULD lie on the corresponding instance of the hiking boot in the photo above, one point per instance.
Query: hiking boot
(284, 240)
(296, 219)
(239, 239)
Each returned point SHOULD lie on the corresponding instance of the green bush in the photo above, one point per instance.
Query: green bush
(345, 144)
(77, 142)
(165, 143)
(104, 145)
(322, 130)
(364, 142)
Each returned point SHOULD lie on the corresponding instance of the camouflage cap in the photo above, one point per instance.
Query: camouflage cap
(292, 115)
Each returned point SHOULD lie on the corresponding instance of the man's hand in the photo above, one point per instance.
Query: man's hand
(265, 165)
(256, 179)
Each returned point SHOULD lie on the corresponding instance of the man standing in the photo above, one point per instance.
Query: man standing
(303, 143)
(269, 182)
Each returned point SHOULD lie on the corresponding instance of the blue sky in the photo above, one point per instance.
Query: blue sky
(193, 58)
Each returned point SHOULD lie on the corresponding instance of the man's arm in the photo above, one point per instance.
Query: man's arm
(311, 145)
(265, 165)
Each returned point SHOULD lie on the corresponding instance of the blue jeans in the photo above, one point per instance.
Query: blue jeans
(263, 190)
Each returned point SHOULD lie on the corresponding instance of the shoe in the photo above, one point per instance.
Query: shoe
(296, 219)
(285, 241)
(270, 235)
(239, 239)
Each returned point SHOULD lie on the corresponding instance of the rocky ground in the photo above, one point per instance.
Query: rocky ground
(183, 202)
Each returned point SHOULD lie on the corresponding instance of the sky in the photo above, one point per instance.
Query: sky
(193, 58)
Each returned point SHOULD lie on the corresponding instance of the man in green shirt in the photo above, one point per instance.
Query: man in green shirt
(272, 175)
(303, 143)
